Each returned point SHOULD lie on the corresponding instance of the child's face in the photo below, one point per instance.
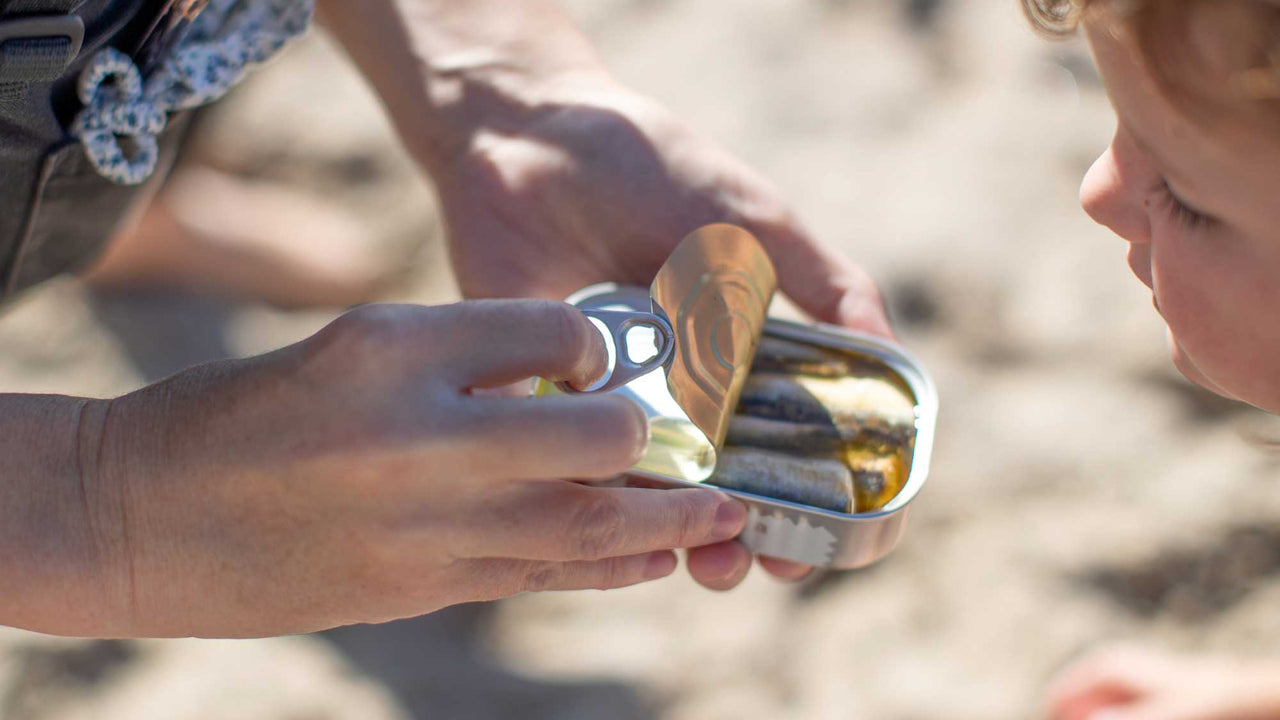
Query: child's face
(1195, 188)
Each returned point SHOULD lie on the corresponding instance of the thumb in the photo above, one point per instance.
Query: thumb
(824, 284)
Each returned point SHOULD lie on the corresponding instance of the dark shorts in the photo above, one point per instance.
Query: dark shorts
(56, 212)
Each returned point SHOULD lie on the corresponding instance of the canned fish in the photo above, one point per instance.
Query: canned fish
(823, 433)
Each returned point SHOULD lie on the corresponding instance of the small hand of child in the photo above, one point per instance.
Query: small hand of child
(1135, 684)
(355, 477)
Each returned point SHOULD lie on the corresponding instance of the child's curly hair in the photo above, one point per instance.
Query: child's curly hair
(1059, 18)
(1056, 18)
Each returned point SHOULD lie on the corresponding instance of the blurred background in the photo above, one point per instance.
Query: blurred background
(1081, 491)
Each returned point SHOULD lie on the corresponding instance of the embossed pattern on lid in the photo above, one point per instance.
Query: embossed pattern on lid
(714, 291)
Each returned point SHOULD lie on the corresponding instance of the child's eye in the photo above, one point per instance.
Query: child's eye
(1184, 213)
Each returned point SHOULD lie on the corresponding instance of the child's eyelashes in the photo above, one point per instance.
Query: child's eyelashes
(1184, 213)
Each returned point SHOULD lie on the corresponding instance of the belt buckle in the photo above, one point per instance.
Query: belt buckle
(42, 27)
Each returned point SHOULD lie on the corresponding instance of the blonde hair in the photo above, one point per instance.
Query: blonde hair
(1056, 18)
(1060, 18)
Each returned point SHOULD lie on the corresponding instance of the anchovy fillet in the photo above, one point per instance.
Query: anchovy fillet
(817, 482)
(776, 355)
(794, 438)
(783, 356)
(819, 427)
(860, 409)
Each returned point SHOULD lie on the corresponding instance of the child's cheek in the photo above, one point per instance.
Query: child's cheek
(1193, 299)
(1207, 290)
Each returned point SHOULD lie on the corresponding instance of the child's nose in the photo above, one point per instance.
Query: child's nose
(1113, 199)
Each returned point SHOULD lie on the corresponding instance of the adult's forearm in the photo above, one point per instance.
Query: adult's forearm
(61, 545)
(446, 68)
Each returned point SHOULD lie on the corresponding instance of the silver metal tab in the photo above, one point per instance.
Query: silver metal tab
(618, 325)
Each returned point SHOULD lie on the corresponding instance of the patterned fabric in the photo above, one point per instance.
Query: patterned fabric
(227, 40)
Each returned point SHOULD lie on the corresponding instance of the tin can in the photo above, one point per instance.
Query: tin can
(699, 326)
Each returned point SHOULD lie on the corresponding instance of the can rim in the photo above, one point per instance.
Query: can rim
(896, 357)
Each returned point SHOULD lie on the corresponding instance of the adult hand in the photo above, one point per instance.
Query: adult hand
(1136, 684)
(579, 181)
(356, 477)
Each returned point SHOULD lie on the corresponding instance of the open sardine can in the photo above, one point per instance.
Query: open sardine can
(823, 433)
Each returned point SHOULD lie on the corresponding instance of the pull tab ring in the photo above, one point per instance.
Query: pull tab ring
(623, 370)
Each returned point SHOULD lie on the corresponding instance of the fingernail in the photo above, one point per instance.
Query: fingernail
(659, 565)
(730, 517)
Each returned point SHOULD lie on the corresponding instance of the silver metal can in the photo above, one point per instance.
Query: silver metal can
(706, 317)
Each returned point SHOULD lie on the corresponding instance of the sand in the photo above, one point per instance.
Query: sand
(1081, 492)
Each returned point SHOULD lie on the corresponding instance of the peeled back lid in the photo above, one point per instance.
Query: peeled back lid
(714, 292)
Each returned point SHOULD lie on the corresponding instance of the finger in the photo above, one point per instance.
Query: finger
(595, 436)
(520, 389)
(719, 567)
(1103, 679)
(1086, 706)
(785, 569)
(1112, 712)
(1169, 708)
(824, 284)
(637, 481)
(714, 565)
(497, 342)
(567, 521)
(493, 578)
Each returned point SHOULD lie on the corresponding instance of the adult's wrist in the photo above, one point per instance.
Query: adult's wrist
(108, 560)
(447, 70)
(502, 100)
(156, 447)
(60, 569)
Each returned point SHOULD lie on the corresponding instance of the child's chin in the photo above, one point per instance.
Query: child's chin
(1188, 368)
